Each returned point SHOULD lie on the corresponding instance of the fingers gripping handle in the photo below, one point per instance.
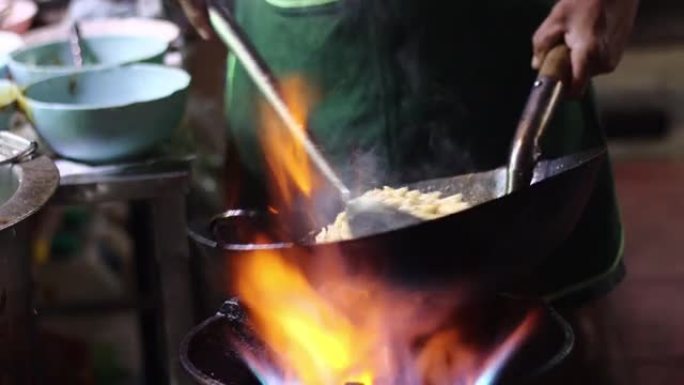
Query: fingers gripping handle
(557, 65)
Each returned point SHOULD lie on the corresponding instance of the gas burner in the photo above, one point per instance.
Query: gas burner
(208, 355)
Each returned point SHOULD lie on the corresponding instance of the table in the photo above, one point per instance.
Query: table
(155, 190)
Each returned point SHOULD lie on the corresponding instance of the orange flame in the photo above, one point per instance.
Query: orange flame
(328, 326)
(350, 329)
(322, 344)
(286, 158)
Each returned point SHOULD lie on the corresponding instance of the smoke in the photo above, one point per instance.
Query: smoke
(424, 117)
(403, 99)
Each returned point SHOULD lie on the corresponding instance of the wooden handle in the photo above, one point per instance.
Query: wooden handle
(557, 64)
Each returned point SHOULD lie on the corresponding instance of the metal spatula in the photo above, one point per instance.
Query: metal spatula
(366, 216)
(76, 45)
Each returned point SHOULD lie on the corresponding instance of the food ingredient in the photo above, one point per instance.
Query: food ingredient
(426, 206)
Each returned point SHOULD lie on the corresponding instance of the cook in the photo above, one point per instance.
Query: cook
(418, 89)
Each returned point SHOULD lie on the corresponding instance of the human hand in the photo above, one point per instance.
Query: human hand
(196, 12)
(596, 31)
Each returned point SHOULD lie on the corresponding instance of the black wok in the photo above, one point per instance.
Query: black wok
(501, 236)
(207, 355)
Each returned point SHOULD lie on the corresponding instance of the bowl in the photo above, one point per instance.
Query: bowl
(34, 63)
(19, 17)
(108, 115)
(8, 96)
(9, 41)
(114, 26)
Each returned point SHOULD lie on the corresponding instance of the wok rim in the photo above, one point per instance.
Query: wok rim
(196, 228)
(184, 349)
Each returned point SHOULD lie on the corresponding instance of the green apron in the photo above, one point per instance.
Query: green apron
(417, 89)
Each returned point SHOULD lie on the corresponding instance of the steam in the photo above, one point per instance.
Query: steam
(412, 97)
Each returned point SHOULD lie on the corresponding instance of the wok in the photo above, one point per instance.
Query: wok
(207, 355)
(521, 212)
(499, 239)
(370, 216)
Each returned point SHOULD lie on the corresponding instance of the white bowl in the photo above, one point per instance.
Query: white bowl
(136, 26)
(20, 16)
(9, 42)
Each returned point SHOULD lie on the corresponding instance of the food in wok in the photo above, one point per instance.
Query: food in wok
(426, 206)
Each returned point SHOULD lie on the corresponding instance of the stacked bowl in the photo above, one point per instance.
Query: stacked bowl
(120, 104)
(38, 62)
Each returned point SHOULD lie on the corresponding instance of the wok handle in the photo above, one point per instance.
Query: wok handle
(241, 228)
(541, 104)
(557, 64)
(229, 215)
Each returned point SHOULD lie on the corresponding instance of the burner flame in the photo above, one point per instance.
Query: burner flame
(324, 323)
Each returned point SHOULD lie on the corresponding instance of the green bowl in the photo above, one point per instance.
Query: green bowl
(34, 63)
(108, 115)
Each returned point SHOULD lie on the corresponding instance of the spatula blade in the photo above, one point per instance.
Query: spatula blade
(367, 216)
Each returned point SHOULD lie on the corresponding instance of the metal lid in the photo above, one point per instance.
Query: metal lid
(38, 179)
(14, 148)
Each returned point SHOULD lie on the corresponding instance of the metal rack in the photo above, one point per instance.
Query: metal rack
(155, 191)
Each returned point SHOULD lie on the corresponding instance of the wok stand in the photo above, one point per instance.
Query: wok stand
(35, 181)
(155, 191)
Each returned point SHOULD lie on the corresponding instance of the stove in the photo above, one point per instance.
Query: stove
(208, 356)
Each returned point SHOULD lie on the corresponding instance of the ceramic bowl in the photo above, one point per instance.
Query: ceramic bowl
(108, 115)
(19, 17)
(135, 26)
(38, 62)
(9, 41)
